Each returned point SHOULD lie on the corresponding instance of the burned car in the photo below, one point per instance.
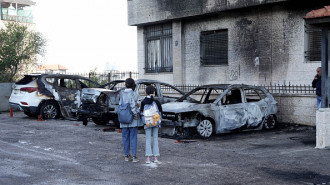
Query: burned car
(221, 108)
(49, 95)
(100, 104)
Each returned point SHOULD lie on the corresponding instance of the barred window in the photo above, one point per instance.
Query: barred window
(313, 43)
(158, 40)
(214, 47)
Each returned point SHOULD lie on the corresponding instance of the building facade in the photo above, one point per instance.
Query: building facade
(16, 11)
(226, 41)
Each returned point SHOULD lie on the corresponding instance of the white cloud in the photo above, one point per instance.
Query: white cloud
(83, 35)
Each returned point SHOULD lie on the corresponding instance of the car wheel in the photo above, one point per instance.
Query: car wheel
(30, 114)
(50, 110)
(205, 128)
(270, 122)
(101, 121)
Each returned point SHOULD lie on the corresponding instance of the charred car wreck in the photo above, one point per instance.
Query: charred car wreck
(100, 104)
(214, 109)
(50, 96)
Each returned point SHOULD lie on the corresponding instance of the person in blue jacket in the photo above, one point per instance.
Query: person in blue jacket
(129, 131)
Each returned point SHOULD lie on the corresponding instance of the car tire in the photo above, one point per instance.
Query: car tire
(101, 121)
(50, 110)
(205, 128)
(270, 122)
(30, 114)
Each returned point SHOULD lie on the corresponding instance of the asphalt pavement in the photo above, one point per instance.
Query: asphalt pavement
(66, 152)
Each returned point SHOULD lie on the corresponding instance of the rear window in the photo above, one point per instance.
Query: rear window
(27, 79)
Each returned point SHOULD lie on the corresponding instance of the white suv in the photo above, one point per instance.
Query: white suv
(49, 95)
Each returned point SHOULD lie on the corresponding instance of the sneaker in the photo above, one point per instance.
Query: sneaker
(135, 160)
(156, 160)
(128, 158)
(148, 160)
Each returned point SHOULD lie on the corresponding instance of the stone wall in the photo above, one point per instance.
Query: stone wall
(5, 91)
(297, 109)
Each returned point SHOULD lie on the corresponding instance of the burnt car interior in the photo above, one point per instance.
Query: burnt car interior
(232, 97)
(203, 95)
(254, 95)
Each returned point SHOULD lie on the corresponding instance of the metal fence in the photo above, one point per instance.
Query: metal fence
(109, 76)
(272, 88)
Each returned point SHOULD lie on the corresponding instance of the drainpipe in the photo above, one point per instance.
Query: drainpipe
(0, 11)
(324, 64)
(16, 12)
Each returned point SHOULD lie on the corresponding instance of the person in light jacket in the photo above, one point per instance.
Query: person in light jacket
(129, 131)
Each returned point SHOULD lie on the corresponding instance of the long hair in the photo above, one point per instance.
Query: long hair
(149, 91)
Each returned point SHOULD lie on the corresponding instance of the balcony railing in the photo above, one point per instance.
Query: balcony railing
(22, 16)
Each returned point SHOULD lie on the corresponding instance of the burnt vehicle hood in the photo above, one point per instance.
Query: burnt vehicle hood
(90, 95)
(179, 107)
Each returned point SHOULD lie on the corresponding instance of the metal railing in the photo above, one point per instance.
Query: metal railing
(108, 76)
(15, 18)
(272, 88)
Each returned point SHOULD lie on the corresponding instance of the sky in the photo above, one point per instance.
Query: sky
(83, 35)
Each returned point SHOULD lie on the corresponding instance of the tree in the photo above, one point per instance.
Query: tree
(19, 47)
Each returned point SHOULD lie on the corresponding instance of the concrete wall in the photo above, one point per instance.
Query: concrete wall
(5, 91)
(298, 109)
(146, 11)
(273, 35)
(323, 128)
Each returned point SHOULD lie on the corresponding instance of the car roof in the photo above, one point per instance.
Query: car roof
(226, 86)
(34, 74)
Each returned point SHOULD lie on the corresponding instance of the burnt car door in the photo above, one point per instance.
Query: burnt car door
(256, 106)
(233, 113)
(69, 92)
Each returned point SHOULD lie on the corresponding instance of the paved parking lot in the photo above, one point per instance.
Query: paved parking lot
(66, 152)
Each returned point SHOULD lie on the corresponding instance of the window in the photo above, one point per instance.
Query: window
(158, 40)
(232, 97)
(87, 84)
(168, 91)
(67, 83)
(214, 47)
(313, 43)
(254, 95)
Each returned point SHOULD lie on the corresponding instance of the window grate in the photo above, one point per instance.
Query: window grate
(158, 48)
(314, 38)
(214, 47)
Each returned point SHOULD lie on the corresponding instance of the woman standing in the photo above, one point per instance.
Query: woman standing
(130, 130)
(151, 131)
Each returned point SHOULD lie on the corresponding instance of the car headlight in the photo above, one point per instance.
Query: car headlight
(102, 99)
(89, 98)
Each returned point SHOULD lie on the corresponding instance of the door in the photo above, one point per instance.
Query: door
(233, 113)
(69, 96)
